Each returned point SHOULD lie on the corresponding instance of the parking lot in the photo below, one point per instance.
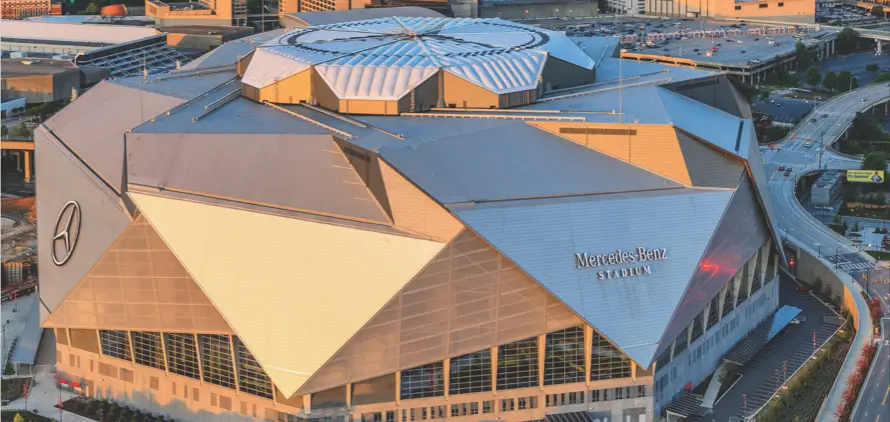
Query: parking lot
(843, 14)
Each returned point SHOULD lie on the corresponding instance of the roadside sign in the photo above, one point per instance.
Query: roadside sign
(865, 176)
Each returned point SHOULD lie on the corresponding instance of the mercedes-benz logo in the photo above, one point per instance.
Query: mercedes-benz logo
(66, 233)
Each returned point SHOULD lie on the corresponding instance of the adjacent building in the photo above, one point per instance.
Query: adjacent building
(21, 9)
(204, 12)
(403, 218)
(827, 188)
(787, 11)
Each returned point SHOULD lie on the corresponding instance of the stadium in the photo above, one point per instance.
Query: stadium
(404, 219)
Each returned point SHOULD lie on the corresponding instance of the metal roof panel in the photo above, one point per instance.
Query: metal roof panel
(543, 237)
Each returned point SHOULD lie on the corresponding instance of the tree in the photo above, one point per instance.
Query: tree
(878, 12)
(854, 83)
(847, 41)
(844, 81)
(18, 418)
(872, 67)
(875, 160)
(804, 57)
(254, 6)
(813, 77)
(4, 130)
(830, 79)
(883, 77)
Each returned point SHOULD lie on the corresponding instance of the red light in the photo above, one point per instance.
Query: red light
(791, 261)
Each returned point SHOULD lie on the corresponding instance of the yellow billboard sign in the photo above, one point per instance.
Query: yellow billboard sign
(865, 176)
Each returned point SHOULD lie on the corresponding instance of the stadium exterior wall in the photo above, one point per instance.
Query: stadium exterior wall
(714, 344)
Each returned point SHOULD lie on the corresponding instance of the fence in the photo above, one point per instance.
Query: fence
(713, 33)
(30, 369)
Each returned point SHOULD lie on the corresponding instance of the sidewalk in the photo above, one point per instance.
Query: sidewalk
(42, 399)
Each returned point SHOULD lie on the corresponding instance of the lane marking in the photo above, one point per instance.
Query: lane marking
(885, 396)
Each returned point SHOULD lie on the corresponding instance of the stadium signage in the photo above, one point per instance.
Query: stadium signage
(605, 263)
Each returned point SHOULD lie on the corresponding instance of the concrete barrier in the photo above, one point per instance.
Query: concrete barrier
(809, 267)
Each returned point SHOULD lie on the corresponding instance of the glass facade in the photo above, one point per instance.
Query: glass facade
(115, 344)
(470, 373)
(423, 381)
(252, 379)
(216, 360)
(714, 311)
(147, 349)
(606, 361)
(518, 364)
(564, 359)
(727, 299)
(182, 355)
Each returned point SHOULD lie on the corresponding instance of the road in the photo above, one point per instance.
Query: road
(873, 399)
(826, 125)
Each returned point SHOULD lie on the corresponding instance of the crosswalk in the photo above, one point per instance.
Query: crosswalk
(849, 267)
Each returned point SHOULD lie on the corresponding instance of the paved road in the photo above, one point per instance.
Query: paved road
(873, 400)
(825, 125)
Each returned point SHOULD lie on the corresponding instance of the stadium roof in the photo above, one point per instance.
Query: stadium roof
(614, 164)
(387, 57)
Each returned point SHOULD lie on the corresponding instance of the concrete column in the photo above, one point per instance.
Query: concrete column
(775, 265)
(736, 283)
(751, 265)
(633, 371)
(673, 348)
(588, 349)
(721, 300)
(705, 317)
(494, 370)
(349, 393)
(542, 358)
(307, 403)
(27, 166)
(200, 362)
(398, 397)
(446, 375)
(233, 355)
(764, 260)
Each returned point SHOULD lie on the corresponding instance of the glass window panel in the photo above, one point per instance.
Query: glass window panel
(147, 349)
(216, 360)
(182, 355)
(714, 311)
(423, 381)
(564, 360)
(470, 373)
(606, 361)
(518, 364)
(252, 379)
(115, 344)
(697, 327)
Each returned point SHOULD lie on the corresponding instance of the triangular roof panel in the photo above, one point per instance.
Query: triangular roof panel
(138, 285)
(717, 127)
(543, 237)
(275, 273)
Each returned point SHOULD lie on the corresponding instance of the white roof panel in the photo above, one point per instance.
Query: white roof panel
(384, 58)
(379, 82)
(502, 73)
(274, 67)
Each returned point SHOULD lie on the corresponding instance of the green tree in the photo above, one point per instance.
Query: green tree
(804, 57)
(813, 76)
(872, 67)
(254, 6)
(844, 81)
(18, 418)
(854, 83)
(847, 41)
(878, 12)
(883, 77)
(875, 160)
(830, 79)
(4, 130)
(881, 198)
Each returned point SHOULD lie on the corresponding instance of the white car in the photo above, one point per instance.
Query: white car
(807, 144)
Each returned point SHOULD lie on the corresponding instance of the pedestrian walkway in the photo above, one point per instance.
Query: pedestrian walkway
(44, 396)
(766, 371)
